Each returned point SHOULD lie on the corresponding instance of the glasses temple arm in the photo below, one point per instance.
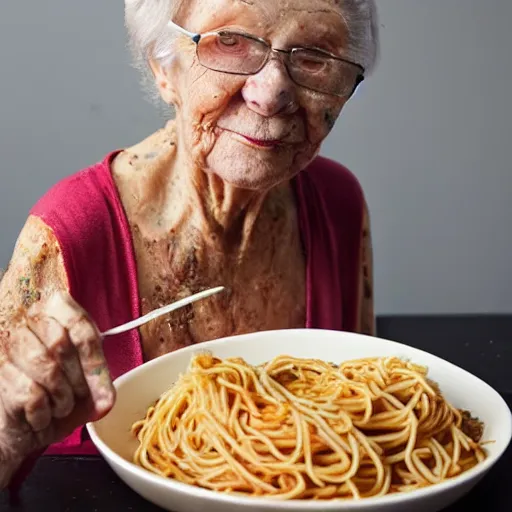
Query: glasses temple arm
(195, 37)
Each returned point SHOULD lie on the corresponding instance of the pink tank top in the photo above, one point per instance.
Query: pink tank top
(87, 217)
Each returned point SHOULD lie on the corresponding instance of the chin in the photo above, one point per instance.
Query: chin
(256, 169)
(248, 180)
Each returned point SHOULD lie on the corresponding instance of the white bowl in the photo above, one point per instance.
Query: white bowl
(137, 389)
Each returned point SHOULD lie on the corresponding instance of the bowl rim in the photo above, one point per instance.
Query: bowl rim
(174, 486)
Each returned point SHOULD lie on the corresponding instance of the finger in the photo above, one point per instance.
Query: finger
(34, 360)
(38, 411)
(24, 400)
(55, 338)
(85, 336)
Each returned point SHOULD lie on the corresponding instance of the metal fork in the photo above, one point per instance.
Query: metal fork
(161, 311)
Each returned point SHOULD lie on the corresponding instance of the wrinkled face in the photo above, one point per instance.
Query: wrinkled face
(254, 131)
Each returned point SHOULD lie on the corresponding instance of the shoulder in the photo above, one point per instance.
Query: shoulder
(84, 214)
(80, 199)
(339, 187)
(79, 208)
(79, 189)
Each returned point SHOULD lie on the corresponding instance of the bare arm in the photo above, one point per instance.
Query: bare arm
(366, 307)
(53, 375)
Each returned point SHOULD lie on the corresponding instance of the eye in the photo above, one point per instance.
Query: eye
(229, 39)
(310, 61)
(232, 44)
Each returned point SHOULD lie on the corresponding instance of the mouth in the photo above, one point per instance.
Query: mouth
(260, 142)
(255, 142)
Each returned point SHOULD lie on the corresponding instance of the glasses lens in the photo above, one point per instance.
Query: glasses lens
(231, 52)
(319, 72)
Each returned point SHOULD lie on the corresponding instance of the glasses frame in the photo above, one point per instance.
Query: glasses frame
(196, 38)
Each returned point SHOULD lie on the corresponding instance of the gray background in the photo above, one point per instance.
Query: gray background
(429, 136)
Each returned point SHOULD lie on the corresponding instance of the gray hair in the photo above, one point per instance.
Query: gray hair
(150, 38)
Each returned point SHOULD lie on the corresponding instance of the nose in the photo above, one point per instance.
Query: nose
(271, 91)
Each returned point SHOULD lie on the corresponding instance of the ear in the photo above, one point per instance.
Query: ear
(163, 82)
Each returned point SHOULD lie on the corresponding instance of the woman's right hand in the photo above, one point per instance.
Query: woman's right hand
(53, 379)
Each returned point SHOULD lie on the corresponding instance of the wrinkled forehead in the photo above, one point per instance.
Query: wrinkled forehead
(265, 17)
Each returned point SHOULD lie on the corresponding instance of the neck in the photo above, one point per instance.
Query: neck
(216, 207)
(216, 202)
(172, 193)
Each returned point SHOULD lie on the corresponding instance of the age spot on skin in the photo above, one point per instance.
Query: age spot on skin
(29, 294)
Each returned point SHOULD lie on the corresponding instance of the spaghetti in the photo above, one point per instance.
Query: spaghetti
(305, 429)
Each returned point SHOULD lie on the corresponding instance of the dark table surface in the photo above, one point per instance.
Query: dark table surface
(482, 346)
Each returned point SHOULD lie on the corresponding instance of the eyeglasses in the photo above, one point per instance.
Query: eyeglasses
(238, 53)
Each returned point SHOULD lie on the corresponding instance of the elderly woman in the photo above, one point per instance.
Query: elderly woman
(231, 192)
